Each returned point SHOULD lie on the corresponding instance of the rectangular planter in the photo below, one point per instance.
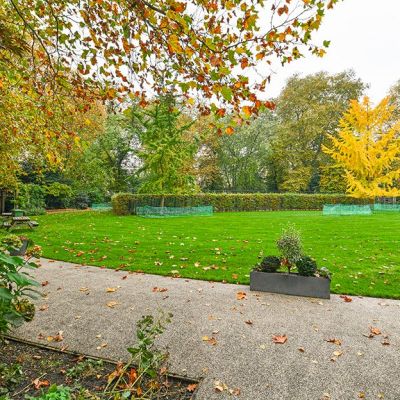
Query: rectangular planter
(292, 284)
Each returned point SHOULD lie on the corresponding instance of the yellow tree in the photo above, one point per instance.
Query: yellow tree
(367, 147)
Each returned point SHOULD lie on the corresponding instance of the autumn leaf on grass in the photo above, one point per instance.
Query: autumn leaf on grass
(192, 387)
(346, 299)
(338, 342)
(241, 295)
(37, 383)
(279, 339)
(112, 304)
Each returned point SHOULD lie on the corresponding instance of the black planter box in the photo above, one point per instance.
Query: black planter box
(292, 284)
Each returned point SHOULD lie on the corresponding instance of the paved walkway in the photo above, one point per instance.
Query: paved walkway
(243, 355)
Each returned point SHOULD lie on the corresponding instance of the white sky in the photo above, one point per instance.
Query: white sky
(365, 36)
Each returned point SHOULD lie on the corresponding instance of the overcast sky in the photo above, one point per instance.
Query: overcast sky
(365, 36)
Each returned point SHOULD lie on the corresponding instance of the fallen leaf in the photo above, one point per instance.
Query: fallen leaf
(241, 295)
(209, 340)
(375, 331)
(45, 283)
(385, 342)
(112, 304)
(37, 383)
(249, 322)
(111, 290)
(301, 349)
(83, 289)
(157, 289)
(219, 386)
(44, 307)
(361, 395)
(234, 392)
(279, 339)
(56, 338)
(124, 277)
(346, 299)
(338, 342)
(192, 387)
(102, 346)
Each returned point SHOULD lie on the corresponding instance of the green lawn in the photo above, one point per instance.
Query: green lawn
(361, 251)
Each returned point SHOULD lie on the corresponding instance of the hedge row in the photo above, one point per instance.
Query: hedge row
(126, 203)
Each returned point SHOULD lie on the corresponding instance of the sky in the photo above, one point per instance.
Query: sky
(365, 36)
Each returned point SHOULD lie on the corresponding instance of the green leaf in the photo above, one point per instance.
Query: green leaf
(5, 294)
(226, 93)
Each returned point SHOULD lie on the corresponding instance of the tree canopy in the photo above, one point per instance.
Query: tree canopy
(202, 50)
(367, 147)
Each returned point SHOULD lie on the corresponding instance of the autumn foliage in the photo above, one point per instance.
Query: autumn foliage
(202, 50)
(367, 147)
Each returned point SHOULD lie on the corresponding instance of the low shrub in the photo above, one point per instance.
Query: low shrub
(270, 264)
(306, 266)
(126, 203)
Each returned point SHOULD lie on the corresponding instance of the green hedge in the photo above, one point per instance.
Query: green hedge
(126, 203)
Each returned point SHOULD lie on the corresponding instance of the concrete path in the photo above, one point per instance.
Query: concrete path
(243, 355)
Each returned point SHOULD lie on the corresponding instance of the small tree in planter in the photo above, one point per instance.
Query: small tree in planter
(309, 281)
(289, 245)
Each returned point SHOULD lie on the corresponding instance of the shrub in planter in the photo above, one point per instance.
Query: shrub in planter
(15, 245)
(306, 266)
(289, 244)
(270, 264)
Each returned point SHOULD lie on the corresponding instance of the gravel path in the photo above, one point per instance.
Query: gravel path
(243, 357)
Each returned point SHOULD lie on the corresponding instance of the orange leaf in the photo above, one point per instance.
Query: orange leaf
(240, 295)
(247, 110)
(278, 339)
(229, 130)
(37, 383)
(192, 387)
(346, 299)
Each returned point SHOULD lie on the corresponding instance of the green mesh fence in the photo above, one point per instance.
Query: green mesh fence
(165, 212)
(101, 206)
(386, 207)
(346, 209)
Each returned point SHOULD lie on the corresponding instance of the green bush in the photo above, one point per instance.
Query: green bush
(31, 198)
(270, 264)
(126, 203)
(306, 266)
(58, 195)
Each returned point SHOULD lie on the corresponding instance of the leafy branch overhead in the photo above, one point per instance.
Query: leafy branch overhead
(202, 50)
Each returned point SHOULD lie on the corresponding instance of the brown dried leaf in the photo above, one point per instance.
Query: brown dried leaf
(279, 339)
(375, 331)
(37, 383)
(112, 304)
(338, 342)
(241, 295)
(346, 299)
(192, 387)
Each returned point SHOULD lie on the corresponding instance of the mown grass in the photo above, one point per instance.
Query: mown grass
(362, 252)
